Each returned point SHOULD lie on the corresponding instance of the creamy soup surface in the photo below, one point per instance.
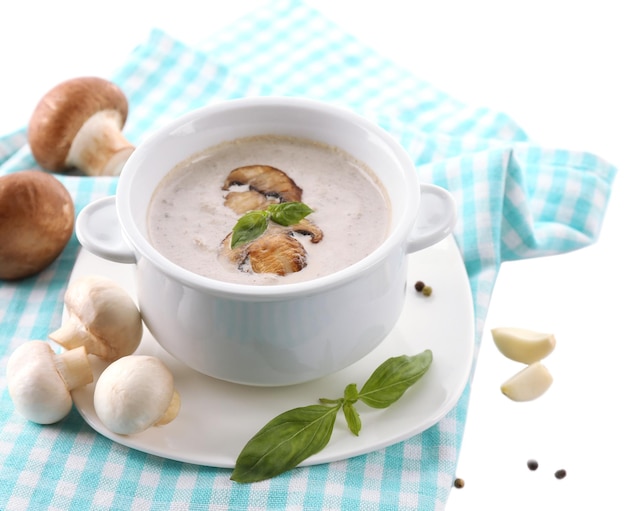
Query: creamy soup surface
(187, 218)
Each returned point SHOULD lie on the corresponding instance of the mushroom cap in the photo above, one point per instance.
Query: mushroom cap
(35, 386)
(278, 252)
(133, 393)
(36, 222)
(266, 180)
(64, 109)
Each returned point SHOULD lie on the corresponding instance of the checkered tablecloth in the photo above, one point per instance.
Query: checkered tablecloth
(516, 199)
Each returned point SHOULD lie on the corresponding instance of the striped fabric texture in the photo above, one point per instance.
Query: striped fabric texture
(516, 199)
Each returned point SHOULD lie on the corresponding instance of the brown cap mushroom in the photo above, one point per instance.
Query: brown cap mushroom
(276, 251)
(78, 124)
(266, 180)
(248, 200)
(308, 228)
(36, 222)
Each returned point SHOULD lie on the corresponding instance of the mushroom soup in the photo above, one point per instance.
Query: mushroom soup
(194, 209)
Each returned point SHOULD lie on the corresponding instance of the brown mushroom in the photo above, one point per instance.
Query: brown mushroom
(276, 251)
(266, 180)
(249, 200)
(36, 222)
(308, 228)
(78, 124)
(236, 255)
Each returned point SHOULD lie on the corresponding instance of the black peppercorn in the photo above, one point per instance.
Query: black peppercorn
(419, 285)
(532, 464)
(560, 474)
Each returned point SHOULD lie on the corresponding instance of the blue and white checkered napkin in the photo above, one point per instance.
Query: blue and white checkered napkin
(516, 199)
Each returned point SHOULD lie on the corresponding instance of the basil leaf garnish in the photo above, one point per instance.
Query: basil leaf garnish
(249, 227)
(288, 213)
(393, 377)
(351, 393)
(254, 223)
(352, 418)
(293, 436)
(284, 442)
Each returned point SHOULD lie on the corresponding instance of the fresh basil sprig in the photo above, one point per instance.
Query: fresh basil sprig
(293, 436)
(285, 442)
(254, 223)
(288, 213)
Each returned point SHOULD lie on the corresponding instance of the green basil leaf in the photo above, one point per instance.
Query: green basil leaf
(352, 418)
(288, 213)
(393, 377)
(249, 227)
(351, 393)
(285, 442)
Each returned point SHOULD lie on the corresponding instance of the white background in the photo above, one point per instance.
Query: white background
(555, 67)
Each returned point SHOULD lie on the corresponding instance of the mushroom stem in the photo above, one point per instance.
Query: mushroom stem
(172, 410)
(74, 367)
(99, 148)
(72, 334)
(117, 161)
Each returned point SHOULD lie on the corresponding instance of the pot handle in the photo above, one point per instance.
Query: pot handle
(436, 217)
(99, 231)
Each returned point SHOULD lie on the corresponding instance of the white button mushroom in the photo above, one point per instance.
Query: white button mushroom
(135, 393)
(102, 317)
(40, 381)
(36, 222)
(78, 124)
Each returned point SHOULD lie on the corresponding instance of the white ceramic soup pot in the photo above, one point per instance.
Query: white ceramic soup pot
(278, 334)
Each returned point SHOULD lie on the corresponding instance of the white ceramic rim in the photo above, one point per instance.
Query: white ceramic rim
(397, 237)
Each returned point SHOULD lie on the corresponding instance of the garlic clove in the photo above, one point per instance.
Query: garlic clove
(523, 345)
(528, 384)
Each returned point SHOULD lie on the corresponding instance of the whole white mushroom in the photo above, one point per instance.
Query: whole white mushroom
(40, 381)
(135, 393)
(102, 317)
